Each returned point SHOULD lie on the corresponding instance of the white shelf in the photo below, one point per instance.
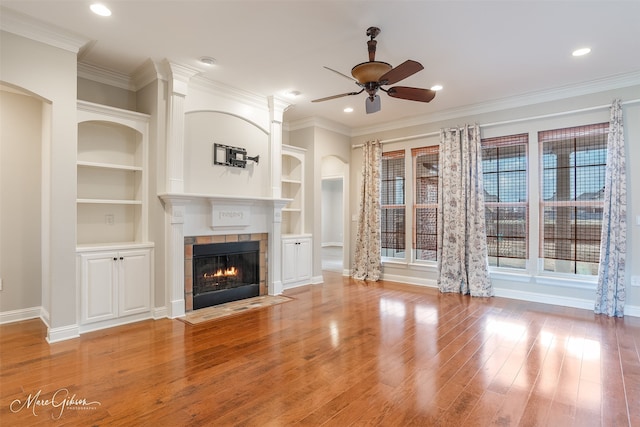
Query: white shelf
(109, 166)
(291, 210)
(291, 181)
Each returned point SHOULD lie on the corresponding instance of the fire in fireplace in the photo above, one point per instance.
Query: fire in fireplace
(224, 272)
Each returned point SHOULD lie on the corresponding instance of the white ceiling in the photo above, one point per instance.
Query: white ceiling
(480, 51)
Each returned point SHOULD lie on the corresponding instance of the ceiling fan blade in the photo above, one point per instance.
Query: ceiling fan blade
(337, 96)
(401, 72)
(372, 105)
(411, 93)
(340, 74)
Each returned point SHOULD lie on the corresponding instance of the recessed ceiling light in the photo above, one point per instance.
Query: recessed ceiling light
(207, 60)
(348, 110)
(581, 52)
(100, 9)
(293, 93)
(436, 87)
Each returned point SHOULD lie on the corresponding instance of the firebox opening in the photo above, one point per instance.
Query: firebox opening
(224, 272)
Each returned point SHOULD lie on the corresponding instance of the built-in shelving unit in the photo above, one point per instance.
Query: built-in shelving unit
(293, 188)
(296, 244)
(112, 176)
(115, 259)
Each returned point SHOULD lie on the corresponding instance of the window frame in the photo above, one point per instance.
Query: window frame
(415, 152)
(554, 135)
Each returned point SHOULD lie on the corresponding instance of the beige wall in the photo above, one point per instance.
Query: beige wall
(201, 176)
(20, 201)
(50, 73)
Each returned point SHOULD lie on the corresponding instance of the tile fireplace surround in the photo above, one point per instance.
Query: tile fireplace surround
(201, 240)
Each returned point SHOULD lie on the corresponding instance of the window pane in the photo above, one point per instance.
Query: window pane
(426, 234)
(504, 164)
(393, 232)
(392, 200)
(574, 163)
(425, 168)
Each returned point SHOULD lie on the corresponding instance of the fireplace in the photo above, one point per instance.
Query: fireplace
(224, 268)
(224, 272)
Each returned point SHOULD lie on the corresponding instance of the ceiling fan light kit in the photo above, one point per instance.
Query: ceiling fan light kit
(372, 75)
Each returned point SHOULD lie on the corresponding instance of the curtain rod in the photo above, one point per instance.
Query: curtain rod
(505, 122)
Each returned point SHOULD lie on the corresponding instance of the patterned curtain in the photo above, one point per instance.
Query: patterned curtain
(463, 264)
(368, 262)
(610, 293)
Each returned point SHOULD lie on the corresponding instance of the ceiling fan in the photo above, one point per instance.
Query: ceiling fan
(372, 75)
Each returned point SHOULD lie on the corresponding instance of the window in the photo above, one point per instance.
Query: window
(393, 204)
(573, 163)
(504, 167)
(425, 208)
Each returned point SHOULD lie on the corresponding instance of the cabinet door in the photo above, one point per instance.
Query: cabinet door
(134, 281)
(289, 260)
(303, 262)
(98, 286)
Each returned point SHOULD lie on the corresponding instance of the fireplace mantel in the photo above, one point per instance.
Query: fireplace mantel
(191, 214)
(213, 198)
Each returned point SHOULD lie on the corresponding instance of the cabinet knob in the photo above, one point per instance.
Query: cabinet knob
(115, 259)
(121, 258)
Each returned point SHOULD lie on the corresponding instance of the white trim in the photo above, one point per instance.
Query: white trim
(177, 309)
(416, 281)
(316, 280)
(599, 85)
(544, 298)
(20, 315)
(62, 333)
(160, 313)
(34, 29)
(110, 323)
(632, 310)
(102, 75)
(331, 244)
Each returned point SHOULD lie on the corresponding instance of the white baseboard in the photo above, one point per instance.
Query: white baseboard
(430, 283)
(20, 315)
(62, 333)
(177, 309)
(160, 312)
(315, 280)
(632, 310)
(544, 298)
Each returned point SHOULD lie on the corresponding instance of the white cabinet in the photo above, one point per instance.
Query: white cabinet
(296, 261)
(112, 175)
(115, 284)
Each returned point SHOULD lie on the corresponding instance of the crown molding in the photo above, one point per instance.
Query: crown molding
(146, 73)
(25, 26)
(102, 75)
(319, 122)
(617, 81)
(229, 92)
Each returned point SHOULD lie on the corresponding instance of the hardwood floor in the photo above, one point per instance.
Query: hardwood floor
(341, 353)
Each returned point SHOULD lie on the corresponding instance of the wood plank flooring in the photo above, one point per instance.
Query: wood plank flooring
(342, 353)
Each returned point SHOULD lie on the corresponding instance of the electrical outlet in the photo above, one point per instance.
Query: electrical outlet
(635, 280)
(108, 219)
